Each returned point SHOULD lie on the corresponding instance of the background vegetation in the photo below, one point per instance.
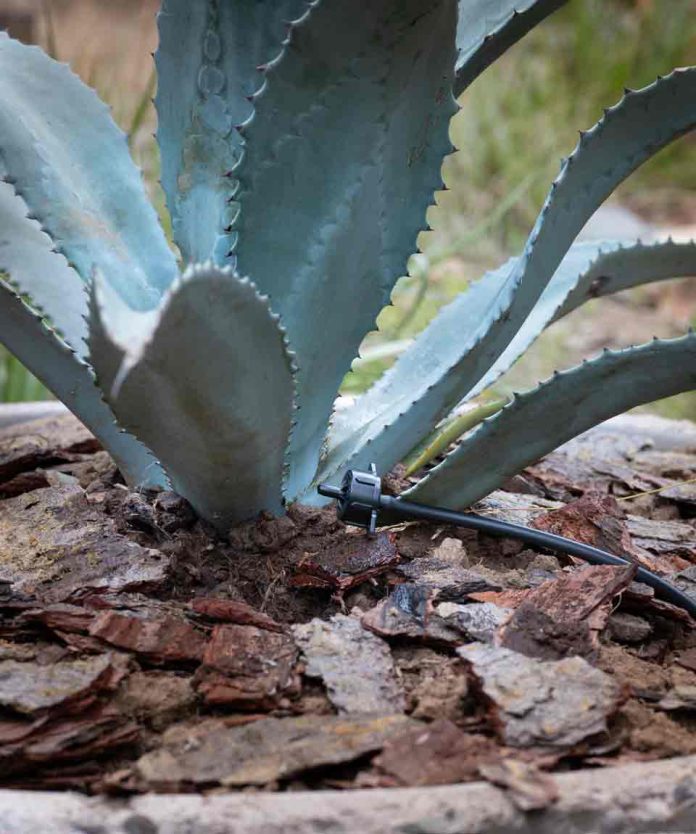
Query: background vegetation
(515, 124)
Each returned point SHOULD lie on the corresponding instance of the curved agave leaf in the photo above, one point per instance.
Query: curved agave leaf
(69, 162)
(569, 403)
(462, 343)
(331, 155)
(208, 69)
(487, 28)
(593, 270)
(207, 382)
(25, 333)
(35, 270)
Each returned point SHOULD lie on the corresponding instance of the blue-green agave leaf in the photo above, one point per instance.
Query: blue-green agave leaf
(571, 402)
(347, 133)
(26, 334)
(487, 28)
(69, 162)
(592, 270)
(208, 64)
(37, 272)
(468, 336)
(206, 381)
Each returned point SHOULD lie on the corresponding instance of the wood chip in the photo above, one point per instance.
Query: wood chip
(563, 616)
(343, 567)
(262, 752)
(408, 613)
(477, 621)
(437, 754)
(163, 639)
(29, 687)
(529, 788)
(247, 668)
(233, 611)
(355, 665)
(552, 704)
(55, 544)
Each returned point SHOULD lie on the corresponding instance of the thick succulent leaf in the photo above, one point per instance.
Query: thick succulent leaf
(569, 403)
(26, 334)
(208, 68)
(462, 343)
(487, 28)
(67, 159)
(592, 270)
(37, 272)
(207, 383)
(348, 134)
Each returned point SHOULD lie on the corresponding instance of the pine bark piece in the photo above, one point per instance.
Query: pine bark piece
(29, 688)
(262, 752)
(355, 665)
(529, 788)
(546, 704)
(478, 621)
(53, 543)
(347, 564)
(163, 639)
(234, 611)
(247, 668)
(437, 754)
(42, 443)
(408, 613)
(564, 616)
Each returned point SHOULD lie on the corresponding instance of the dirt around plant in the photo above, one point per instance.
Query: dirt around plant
(141, 652)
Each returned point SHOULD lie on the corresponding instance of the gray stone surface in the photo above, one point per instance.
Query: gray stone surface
(648, 798)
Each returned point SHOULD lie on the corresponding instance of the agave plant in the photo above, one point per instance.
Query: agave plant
(301, 144)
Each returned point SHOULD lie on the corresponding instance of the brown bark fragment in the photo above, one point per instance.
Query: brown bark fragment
(437, 754)
(247, 668)
(55, 544)
(562, 617)
(348, 564)
(233, 611)
(162, 640)
(408, 612)
(210, 753)
(528, 787)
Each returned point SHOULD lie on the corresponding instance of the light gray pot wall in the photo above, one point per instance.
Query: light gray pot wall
(15, 413)
(647, 798)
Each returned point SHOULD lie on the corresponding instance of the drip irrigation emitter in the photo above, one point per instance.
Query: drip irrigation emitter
(361, 503)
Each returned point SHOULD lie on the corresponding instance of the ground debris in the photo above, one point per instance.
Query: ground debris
(563, 617)
(163, 639)
(663, 538)
(528, 787)
(628, 628)
(408, 613)
(156, 698)
(261, 752)
(347, 564)
(55, 544)
(436, 685)
(247, 668)
(477, 621)
(234, 611)
(547, 704)
(436, 754)
(29, 687)
(446, 571)
(43, 443)
(355, 665)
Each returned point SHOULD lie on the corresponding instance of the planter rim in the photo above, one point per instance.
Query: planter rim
(646, 797)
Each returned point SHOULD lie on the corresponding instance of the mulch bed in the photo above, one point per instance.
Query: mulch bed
(140, 652)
